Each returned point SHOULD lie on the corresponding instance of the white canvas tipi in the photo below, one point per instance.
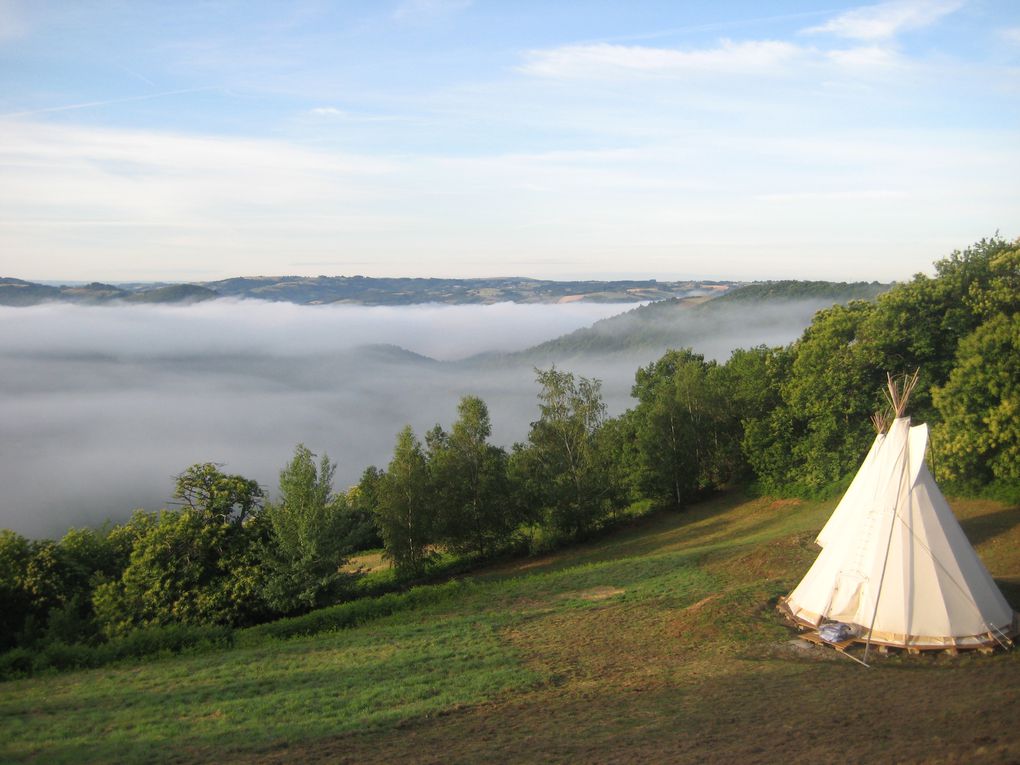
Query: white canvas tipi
(895, 563)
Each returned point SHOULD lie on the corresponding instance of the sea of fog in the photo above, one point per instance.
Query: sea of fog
(101, 406)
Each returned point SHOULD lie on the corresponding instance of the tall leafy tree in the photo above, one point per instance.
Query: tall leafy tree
(402, 507)
(308, 542)
(362, 499)
(978, 439)
(687, 435)
(472, 498)
(572, 471)
(15, 599)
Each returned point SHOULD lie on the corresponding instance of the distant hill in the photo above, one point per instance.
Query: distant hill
(763, 312)
(175, 293)
(363, 290)
(366, 290)
(18, 292)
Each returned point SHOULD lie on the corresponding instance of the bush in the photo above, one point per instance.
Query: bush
(171, 638)
(15, 663)
(352, 613)
(57, 655)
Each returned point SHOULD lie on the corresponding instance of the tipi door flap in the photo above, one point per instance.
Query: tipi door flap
(846, 596)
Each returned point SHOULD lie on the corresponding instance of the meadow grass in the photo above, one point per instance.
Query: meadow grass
(657, 643)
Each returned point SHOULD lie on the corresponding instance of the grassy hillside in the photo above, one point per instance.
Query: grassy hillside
(659, 643)
(763, 312)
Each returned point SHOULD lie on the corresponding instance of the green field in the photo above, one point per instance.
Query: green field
(658, 644)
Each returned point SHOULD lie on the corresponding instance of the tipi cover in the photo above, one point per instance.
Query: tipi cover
(895, 562)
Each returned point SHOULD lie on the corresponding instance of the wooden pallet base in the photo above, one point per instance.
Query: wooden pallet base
(814, 637)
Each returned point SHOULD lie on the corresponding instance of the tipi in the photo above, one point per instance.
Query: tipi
(895, 564)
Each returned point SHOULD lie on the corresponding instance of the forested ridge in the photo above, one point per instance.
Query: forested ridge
(790, 420)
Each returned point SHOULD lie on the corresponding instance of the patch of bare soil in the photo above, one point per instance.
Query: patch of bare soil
(592, 593)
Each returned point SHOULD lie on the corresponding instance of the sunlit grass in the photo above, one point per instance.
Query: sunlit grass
(661, 629)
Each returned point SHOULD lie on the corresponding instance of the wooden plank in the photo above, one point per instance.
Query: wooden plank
(814, 637)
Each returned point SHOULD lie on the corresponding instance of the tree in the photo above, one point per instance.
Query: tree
(616, 445)
(205, 488)
(15, 600)
(173, 575)
(571, 470)
(472, 498)
(196, 565)
(836, 371)
(362, 499)
(308, 543)
(686, 433)
(979, 438)
(402, 510)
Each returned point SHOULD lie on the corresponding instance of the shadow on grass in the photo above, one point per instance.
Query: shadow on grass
(1010, 589)
(715, 524)
(794, 709)
(982, 528)
(310, 689)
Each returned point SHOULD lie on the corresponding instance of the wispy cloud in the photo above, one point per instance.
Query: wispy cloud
(886, 20)
(575, 61)
(332, 113)
(416, 10)
(846, 195)
(728, 58)
(1011, 34)
(863, 58)
(107, 102)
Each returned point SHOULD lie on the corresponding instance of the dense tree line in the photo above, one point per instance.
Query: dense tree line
(792, 419)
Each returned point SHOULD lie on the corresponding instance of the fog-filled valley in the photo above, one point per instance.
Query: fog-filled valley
(101, 407)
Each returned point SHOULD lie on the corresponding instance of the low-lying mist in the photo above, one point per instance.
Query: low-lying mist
(102, 406)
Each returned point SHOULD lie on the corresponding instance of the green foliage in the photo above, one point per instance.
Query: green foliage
(830, 394)
(402, 509)
(818, 430)
(472, 500)
(307, 543)
(568, 470)
(46, 586)
(178, 572)
(685, 429)
(61, 655)
(204, 488)
(15, 600)
(361, 531)
(617, 446)
(979, 436)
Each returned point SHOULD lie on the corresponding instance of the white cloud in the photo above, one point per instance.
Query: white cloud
(327, 111)
(91, 203)
(601, 59)
(1011, 34)
(886, 20)
(864, 58)
(766, 58)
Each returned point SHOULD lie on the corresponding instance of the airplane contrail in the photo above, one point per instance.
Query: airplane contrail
(91, 104)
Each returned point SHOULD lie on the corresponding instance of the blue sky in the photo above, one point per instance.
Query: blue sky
(742, 140)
